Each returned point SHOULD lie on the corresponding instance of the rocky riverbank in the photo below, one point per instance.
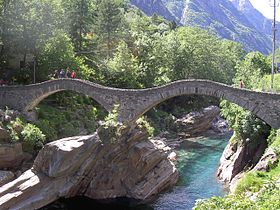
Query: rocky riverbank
(131, 166)
(243, 155)
(134, 167)
(204, 123)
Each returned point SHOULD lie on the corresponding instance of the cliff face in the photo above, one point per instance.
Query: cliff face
(132, 167)
(242, 156)
(260, 22)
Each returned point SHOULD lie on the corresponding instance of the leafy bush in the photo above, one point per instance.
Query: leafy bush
(111, 129)
(274, 140)
(160, 120)
(143, 123)
(267, 199)
(15, 128)
(252, 181)
(47, 129)
(33, 138)
(245, 124)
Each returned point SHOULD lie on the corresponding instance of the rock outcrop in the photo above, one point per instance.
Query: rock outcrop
(197, 122)
(238, 157)
(11, 155)
(5, 177)
(133, 167)
(267, 161)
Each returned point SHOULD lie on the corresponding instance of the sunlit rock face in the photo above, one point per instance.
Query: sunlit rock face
(239, 157)
(132, 167)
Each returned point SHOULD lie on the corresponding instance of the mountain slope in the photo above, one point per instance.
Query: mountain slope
(151, 7)
(260, 22)
(223, 18)
(227, 18)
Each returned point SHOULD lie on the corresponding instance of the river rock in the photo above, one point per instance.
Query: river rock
(267, 161)
(11, 155)
(133, 167)
(5, 177)
(220, 126)
(197, 122)
(4, 134)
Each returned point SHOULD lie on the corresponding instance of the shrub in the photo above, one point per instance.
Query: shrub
(15, 128)
(111, 129)
(33, 138)
(245, 124)
(47, 128)
(144, 124)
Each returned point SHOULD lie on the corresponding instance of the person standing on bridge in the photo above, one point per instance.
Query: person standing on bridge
(62, 73)
(68, 73)
(73, 75)
(56, 74)
(241, 83)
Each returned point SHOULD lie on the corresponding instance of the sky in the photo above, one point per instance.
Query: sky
(265, 7)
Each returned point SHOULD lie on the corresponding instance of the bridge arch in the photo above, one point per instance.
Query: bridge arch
(135, 102)
(26, 98)
(263, 105)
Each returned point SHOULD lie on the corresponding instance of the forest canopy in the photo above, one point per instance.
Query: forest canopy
(109, 42)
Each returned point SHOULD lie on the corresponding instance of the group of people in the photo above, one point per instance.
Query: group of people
(65, 74)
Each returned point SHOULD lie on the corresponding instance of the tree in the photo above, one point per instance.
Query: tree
(80, 16)
(27, 24)
(251, 69)
(123, 69)
(58, 52)
(108, 23)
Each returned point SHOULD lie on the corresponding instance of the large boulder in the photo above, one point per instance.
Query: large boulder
(11, 155)
(133, 167)
(197, 122)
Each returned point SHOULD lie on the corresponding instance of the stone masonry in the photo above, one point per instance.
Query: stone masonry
(135, 102)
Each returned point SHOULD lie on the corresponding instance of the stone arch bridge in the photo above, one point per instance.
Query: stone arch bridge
(135, 102)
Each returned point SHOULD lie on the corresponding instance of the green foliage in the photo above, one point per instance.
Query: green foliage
(33, 138)
(123, 68)
(264, 187)
(265, 83)
(30, 135)
(111, 129)
(245, 124)
(274, 141)
(227, 203)
(67, 121)
(57, 53)
(251, 69)
(144, 124)
(253, 181)
(160, 120)
(15, 128)
(80, 19)
(47, 129)
(108, 23)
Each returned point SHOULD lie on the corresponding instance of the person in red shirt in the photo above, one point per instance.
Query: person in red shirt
(73, 75)
(241, 83)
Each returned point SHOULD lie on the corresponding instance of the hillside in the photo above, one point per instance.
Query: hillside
(236, 20)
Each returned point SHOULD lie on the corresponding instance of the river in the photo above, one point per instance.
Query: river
(198, 160)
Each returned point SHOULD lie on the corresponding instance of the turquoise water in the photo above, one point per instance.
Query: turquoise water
(197, 163)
